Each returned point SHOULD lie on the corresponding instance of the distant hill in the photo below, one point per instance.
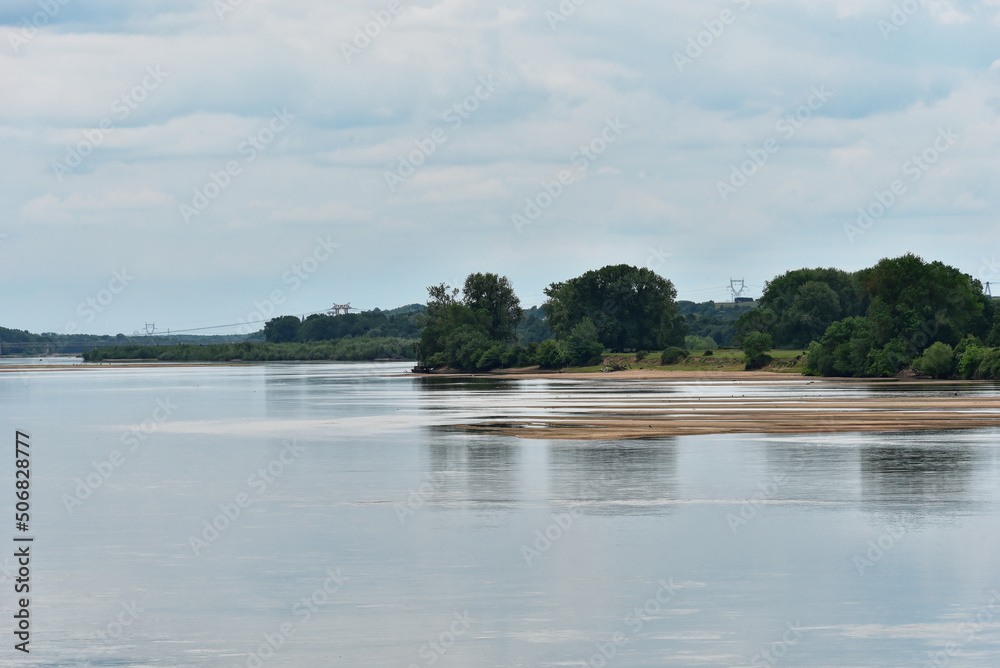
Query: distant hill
(404, 309)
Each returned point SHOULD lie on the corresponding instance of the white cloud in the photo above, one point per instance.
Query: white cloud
(88, 207)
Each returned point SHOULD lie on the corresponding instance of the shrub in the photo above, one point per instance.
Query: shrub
(692, 342)
(938, 360)
(550, 355)
(673, 355)
(583, 347)
(989, 367)
(755, 347)
(640, 356)
(968, 364)
(491, 358)
(708, 353)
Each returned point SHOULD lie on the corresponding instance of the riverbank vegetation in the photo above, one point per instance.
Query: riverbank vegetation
(902, 314)
(354, 349)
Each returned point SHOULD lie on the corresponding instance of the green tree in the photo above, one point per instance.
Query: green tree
(938, 360)
(844, 349)
(450, 331)
(815, 307)
(755, 348)
(631, 308)
(494, 295)
(550, 355)
(583, 347)
(921, 303)
(804, 302)
(282, 329)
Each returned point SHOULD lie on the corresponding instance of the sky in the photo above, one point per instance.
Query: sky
(197, 163)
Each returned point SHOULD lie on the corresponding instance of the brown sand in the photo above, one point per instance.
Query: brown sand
(644, 419)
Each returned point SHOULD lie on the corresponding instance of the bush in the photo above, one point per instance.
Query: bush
(550, 355)
(512, 356)
(969, 341)
(989, 367)
(755, 347)
(938, 361)
(845, 350)
(708, 353)
(491, 358)
(692, 342)
(583, 347)
(640, 356)
(673, 355)
(968, 364)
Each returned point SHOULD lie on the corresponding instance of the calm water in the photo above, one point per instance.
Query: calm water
(370, 536)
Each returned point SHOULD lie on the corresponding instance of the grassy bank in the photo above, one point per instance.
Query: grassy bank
(783, 361)
(348, 350)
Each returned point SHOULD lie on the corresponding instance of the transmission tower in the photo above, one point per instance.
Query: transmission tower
(337, 309)
(988, 293)
(737, 292)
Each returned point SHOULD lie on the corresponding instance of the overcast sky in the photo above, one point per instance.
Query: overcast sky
(192, 162)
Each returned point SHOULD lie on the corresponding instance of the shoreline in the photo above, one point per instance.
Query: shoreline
(657, 418)
(530, 373)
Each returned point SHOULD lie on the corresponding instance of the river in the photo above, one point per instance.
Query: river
(324, 515)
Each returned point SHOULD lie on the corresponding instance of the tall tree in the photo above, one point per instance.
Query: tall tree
(631, 307)
(494, 294)
(281, 329)
(919, 303)
(802, 303)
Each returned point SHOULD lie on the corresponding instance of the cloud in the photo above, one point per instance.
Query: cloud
(557, 90)
(328, 212)
(80, 207)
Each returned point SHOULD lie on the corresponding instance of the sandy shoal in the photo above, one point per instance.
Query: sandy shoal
(691, 416)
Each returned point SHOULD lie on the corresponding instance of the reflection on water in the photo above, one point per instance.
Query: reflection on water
(930, 473)
(487, 469)
(755, 532)
(604, 476)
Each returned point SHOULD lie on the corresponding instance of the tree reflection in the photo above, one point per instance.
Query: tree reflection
(614, 477)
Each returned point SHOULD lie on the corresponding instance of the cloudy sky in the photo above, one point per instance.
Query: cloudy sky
(203, 162)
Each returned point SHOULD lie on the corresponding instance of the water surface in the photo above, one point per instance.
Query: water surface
(371, 536)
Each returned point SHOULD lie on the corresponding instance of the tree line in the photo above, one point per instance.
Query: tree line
(617, 307)
(903, 313)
